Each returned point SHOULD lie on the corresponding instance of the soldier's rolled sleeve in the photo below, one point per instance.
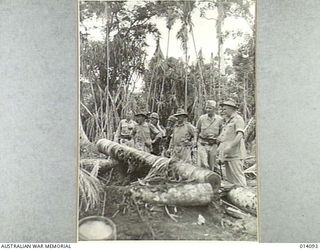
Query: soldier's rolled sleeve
(239, 125)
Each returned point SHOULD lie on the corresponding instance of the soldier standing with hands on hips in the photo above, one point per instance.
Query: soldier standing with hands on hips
(232, 148)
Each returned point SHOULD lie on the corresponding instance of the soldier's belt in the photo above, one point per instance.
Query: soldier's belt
(206, 141)
(127, 137)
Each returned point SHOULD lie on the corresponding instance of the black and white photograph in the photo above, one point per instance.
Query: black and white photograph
(167, 120)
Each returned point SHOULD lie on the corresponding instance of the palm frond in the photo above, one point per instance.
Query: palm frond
(90, 188)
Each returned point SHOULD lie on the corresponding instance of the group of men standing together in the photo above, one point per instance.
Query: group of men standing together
(218, 139)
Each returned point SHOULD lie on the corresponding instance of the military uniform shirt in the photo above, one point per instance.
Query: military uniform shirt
(209, 128)
(182, 134)
(155, 132)
(125, 129)
(142, 135)
(229, 132)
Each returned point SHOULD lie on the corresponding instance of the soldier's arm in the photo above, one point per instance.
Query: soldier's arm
(162, 130)
(171, 141)
(155, 131)
(193, 134)
(198, 129)
(220, 125)
(236, 140)
(134, 131)
(239, 129)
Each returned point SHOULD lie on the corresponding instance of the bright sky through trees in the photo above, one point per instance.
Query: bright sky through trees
(204, 32)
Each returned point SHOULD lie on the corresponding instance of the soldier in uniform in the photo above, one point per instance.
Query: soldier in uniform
(142, 133)
(157, 133)
(183, 138)
(123, 134)
(232, 148)
(169, 129)
(208, 128)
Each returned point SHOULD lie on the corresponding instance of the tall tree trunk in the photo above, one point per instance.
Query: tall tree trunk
(168, 42)
(109, 132)
(150, 88)
(154, 96)
(164, 73)
(203, 86)
(186, 83)
(212, 85)
(161, 92)
(245, 97)
(219, 37)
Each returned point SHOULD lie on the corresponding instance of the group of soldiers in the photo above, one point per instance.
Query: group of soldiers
(216, 139)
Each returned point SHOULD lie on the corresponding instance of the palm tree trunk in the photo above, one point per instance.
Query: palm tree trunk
(154, 96)
(168, 42)
(108, 132)
(150, 88)
(204, 92)
(212, 85)
(164, 73)
(161, 92)
(245, 97)
(186, 82)
(219, 37)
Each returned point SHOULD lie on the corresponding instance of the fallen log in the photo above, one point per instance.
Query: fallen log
(200, 175)
(191, 194)
(244, 198)
(139, 159)
(98, 166)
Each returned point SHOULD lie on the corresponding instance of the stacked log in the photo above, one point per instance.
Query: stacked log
(244, 198)
(200, 175)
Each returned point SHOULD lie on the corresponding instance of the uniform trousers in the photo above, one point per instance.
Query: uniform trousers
(207, 155)
(182, 153)
(234, 172)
